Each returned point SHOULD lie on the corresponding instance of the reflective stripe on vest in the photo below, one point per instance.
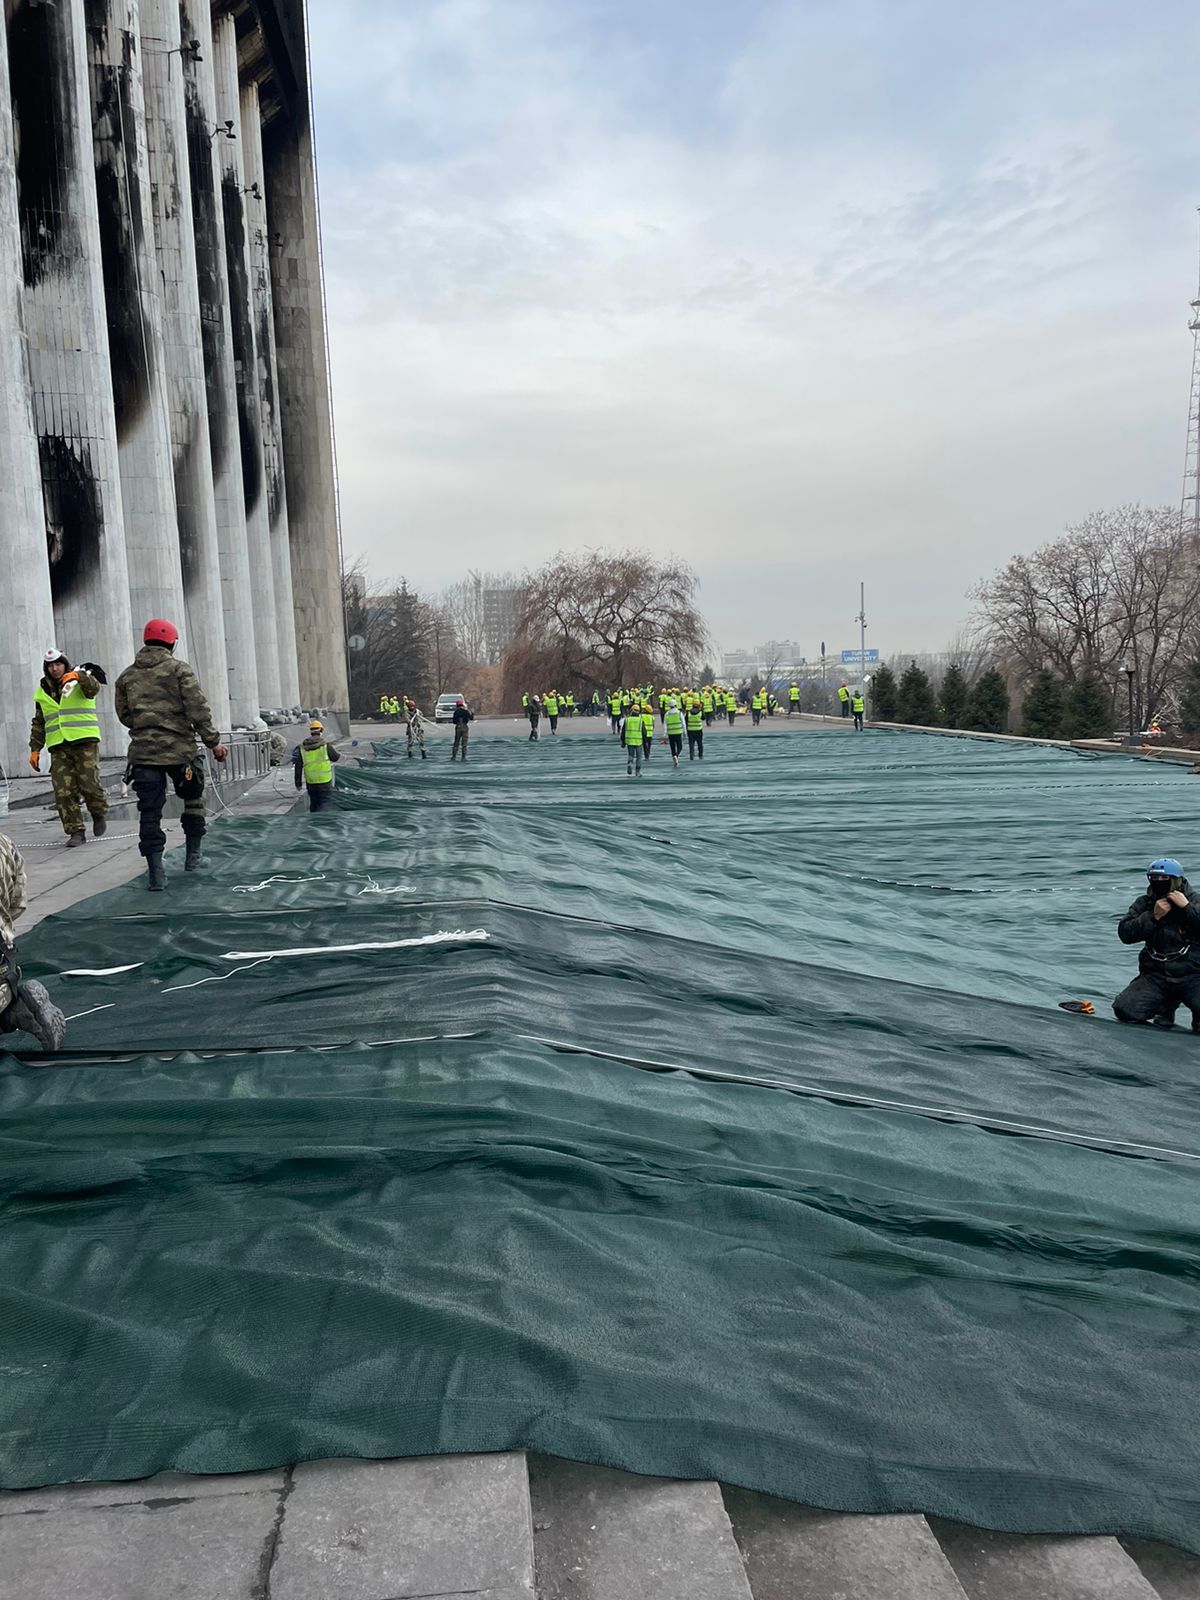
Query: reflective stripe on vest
(694, 721)
(843, 694)
(317, 766)
(859, 703)
(793, 693)
(69, 720)
(633, 729)
(675, 721)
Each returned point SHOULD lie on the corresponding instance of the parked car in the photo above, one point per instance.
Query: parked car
(444, 710)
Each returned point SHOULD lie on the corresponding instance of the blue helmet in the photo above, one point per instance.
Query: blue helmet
(1164, 867)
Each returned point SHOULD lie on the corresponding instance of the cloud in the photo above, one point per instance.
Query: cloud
(827, 291)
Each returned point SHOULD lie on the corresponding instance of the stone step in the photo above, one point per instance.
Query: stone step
(606, 1535)
(1173, 1574)
(425, 1526)
(1038, 1566)
(793, 1552)
(329, 1530)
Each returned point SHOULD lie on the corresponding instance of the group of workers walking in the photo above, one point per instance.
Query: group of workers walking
(158, 698)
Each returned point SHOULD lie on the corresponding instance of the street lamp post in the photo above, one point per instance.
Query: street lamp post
(1128, 669)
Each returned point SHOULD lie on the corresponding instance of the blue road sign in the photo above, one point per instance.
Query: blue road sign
(851, 658)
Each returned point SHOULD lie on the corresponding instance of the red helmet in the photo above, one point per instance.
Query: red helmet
(158, 631)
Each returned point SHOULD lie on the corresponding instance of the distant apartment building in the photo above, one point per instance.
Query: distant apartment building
(500, 610)
(780, 657)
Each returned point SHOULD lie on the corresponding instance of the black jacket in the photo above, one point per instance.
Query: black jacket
(1171, 940)
(463, 714)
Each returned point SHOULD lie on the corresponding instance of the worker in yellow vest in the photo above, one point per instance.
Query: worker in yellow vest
(313, 761)
(673, 723)
(793, 699)
(647, 728)
(633, 731)
(858, 705)
(758, 705)
(694, 723)
(550, 706)
(614, 710)
(731, 706)
(844, 697)
(66, 723)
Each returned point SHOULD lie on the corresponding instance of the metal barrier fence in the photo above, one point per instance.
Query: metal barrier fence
(248, 758)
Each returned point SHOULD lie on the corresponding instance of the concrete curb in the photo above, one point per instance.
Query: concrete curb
(1099, 747)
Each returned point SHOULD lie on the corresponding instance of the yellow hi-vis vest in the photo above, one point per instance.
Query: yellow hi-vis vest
(843, 693)
(695, 720)
(858, 703)
(793, 694)
(69, 720)
(674, 720)
(633, 729)
(318, 768)
(648, 722)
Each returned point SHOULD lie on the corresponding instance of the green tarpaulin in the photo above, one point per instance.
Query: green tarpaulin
(717, 1123)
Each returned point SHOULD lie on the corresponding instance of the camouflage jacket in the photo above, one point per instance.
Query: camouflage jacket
(160, 701)
(12, 888)
(37, 728)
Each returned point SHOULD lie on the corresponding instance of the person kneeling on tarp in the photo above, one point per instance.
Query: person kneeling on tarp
(313, 761)
(1165, 921)
(24, 1004)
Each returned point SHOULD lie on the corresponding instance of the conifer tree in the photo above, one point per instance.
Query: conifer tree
(916, 703)
(885, 694)
(1043, 708)
(987, 704)
(954, 695)
(1189, 705)
(1090, 708)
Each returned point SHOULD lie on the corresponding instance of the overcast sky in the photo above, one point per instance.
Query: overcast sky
(802, 292)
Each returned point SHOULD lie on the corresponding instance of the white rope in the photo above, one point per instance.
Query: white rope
(88, 1013)
(175, 988)
(253, 888)
(459, 936)
(99, 972)
(379, 888)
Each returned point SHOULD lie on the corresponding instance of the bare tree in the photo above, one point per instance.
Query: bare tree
(1123, 585)
(605, 617)
(475, 609)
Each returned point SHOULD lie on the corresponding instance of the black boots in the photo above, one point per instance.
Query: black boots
(157, 877)
(74, 840)
(34, 1012)
(194, 860)
(99, 827)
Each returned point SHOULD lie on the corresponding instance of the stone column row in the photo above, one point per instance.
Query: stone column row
(150, 435)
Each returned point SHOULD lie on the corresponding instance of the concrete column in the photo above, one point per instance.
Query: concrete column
(259, 245)
(245, 360)
(305, 411)
(133, 296)
(208, 228)
(67, 332)
(28, 610)
(187, 402)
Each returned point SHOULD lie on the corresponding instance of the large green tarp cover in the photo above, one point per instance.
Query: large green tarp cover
(719, 1124)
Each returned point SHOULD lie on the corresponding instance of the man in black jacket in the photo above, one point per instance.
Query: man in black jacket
(1165, 921)
(462, 719)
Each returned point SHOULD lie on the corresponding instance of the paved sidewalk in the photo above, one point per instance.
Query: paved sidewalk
(58, 877)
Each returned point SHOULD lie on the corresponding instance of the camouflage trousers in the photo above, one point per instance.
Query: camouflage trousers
(417, 734)
(150, 786)
(75, 776)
